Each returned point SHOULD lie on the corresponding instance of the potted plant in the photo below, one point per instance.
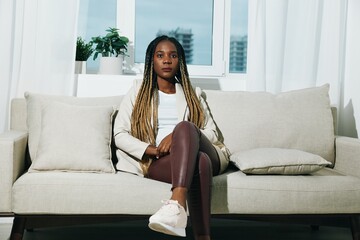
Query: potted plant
(83, 52)
(112, 48)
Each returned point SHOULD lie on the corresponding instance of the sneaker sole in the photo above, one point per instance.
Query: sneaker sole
(159, 227)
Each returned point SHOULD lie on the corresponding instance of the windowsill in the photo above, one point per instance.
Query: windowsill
(98, 85)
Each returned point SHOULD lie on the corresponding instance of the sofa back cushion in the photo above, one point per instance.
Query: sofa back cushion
(299, 119)
(18, 114)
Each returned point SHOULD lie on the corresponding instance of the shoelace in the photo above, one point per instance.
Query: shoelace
(171, 202)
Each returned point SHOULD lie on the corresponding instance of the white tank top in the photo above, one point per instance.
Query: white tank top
(167, 115)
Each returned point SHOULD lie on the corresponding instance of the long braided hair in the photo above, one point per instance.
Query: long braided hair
(144, 116)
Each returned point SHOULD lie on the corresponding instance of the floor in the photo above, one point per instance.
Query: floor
(222, 230)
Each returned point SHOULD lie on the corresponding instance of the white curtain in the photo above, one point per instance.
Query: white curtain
(40, 51)
(298, 44)
(350, 89)
(6, 29)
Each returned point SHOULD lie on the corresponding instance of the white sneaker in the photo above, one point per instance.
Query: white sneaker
(170, 219)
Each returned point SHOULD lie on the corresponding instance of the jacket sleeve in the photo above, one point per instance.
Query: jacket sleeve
(122, 126)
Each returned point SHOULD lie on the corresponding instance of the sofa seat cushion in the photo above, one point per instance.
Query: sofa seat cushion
(326, 191)
(87, 193)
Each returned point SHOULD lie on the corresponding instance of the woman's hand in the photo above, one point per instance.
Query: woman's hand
(152, 151)
(162, 150)
(165, 145)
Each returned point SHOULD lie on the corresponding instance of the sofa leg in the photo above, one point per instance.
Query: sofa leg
(355, 227)
(18, 228)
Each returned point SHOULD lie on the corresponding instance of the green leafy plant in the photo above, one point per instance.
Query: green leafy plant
(83, 50)
(112, 44)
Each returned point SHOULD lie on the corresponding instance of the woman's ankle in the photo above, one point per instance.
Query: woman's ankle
(179, 194)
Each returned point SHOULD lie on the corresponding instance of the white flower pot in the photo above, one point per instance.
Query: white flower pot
(111, 65)
(80, 67)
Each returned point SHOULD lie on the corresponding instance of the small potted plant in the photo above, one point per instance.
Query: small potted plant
(83, 52)
(112, 48)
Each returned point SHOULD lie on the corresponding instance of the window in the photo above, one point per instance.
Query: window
(238, 36)
(213, 34)
(207, 58)
(94, 18)
(191, 29)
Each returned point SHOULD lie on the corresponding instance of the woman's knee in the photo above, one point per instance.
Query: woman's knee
(205, 164)
(186, 125)
(186, 130)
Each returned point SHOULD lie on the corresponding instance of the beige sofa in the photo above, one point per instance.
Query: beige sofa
(293, 166)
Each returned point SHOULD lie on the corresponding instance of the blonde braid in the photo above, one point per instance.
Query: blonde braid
(141, 117)
(196, 115)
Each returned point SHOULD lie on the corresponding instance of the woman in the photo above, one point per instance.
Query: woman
(164, 131)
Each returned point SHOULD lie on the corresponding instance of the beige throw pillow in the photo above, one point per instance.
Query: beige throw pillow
(74, 138)
(278, 161)
(35, 103)
(299, 119)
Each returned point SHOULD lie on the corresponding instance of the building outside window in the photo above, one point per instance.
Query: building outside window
(185, 37)
(238, 36)
(191, 26)
(238, 54)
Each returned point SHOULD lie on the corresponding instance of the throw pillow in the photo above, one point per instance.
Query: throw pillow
(278, 161)
(299, 119)
(74, 138)
(35, 103)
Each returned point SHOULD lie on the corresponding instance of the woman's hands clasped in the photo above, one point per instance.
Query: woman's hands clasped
(161, 150)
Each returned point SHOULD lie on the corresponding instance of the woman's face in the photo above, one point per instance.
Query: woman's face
(166, 61)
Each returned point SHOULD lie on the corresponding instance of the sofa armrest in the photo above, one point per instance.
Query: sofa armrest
(12, 164)
(347, 155)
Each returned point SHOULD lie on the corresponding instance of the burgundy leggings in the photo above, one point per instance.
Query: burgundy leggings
(192, 162)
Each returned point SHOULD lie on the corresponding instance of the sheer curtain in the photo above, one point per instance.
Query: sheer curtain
(40, 50)
(6, 29)
(297, 44)
(350, 86)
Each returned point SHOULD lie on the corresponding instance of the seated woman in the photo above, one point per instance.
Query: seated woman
(164, 131)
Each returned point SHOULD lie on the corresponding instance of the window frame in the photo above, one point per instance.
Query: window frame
(126, 23)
